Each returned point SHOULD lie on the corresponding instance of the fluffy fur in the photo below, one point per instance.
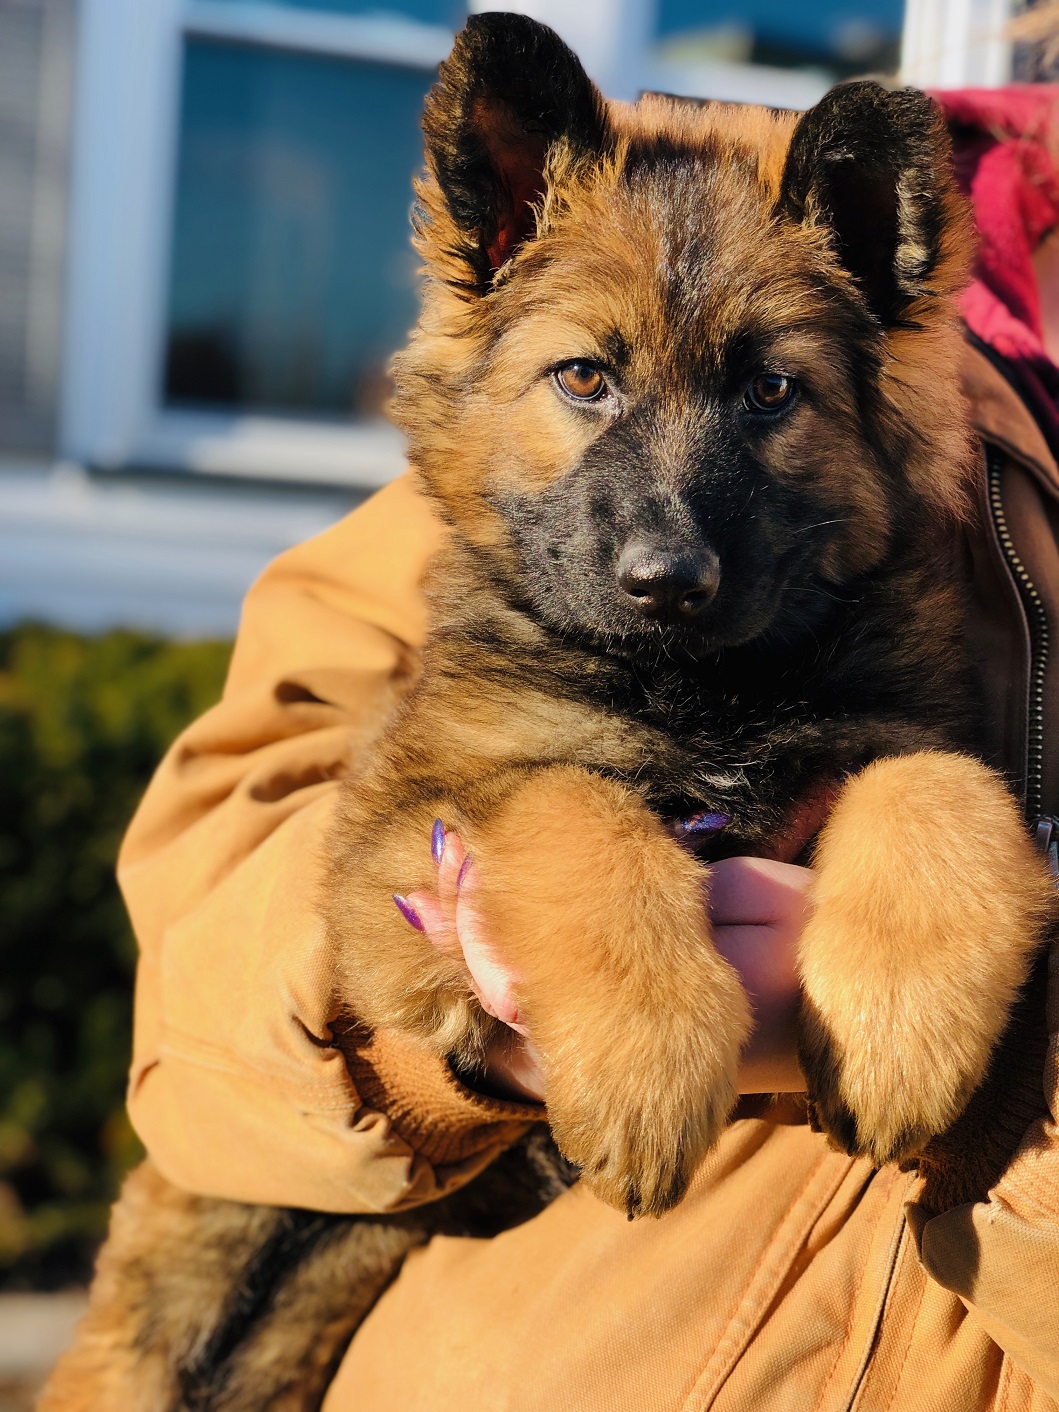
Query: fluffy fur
(662, 599)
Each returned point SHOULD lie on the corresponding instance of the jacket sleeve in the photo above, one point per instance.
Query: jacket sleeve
(1001, 1256)
(238, 1088)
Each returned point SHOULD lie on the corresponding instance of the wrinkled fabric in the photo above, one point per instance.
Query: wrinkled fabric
(763, 1289)
(1007, 162)
(237, 1088)
(791, 1278)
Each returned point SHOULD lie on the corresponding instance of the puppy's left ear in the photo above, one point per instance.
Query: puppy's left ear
(876, 167)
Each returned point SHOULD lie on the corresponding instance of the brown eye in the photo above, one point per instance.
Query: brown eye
(581, 380)
(769, 392)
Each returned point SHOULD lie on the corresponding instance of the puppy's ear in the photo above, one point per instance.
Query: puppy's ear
(509, 94)
(876, 168)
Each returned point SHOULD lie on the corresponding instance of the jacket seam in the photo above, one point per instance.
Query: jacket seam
(1015, 412)
(847, 1340)
(1029, 464)
(863, 1364)
(695, 1401)
(1003, 1392)
(893, 1260)
(908, 1345)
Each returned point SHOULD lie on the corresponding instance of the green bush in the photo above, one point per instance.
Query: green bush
(83, 722)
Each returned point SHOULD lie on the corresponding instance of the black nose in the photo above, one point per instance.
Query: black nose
(669, 583)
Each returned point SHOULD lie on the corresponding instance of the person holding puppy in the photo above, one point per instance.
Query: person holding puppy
(791, 1275)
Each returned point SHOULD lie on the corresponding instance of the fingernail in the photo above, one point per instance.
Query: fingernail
(709, 822)
(437, 842)
(463, 872)
(408, 912)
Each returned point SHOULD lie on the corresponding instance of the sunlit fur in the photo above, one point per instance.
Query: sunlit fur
(682, 250)
(685, 250)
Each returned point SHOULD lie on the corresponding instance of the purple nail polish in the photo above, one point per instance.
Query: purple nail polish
(708, 822)
(437, 842)
(463, 872)
(408, 912)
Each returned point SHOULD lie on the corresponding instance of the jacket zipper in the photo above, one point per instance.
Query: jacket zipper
(1040, 646)
(1046, 827)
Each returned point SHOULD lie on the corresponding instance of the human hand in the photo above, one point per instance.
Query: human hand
(757, 907)
(450, 919)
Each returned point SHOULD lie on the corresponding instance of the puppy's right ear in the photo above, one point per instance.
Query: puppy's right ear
(508, 95)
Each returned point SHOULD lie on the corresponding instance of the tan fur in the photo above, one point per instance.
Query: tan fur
(107, 1366)
(166, 1279)
(601, 912)
(597, 253)
(928, 899)
(591, 900)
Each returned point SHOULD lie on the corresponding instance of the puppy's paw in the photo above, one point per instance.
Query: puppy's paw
(879, 1089)
(638, 1110)
(916, 949)
(639, 1021)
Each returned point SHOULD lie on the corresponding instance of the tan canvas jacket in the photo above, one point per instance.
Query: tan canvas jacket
(788, 1279)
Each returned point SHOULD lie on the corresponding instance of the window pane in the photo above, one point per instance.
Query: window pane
(437, 12)
(292, 278)
(848, 35)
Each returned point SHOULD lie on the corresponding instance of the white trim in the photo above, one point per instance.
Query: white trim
(383, 39)
(124, 154)
(273, 448)
(956, 43)
(167, 554)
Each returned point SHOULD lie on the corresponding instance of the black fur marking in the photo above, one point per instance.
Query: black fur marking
(294, 1239)
(509, 90)
(870, 161)
(516, 1187)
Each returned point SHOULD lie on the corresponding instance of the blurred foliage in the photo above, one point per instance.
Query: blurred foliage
(83, 723)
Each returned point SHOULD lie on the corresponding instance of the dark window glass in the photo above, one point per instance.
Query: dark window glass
(436, 12)
(292, 277)
(846, 35)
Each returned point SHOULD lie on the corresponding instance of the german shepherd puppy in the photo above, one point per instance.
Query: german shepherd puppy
(684, 388)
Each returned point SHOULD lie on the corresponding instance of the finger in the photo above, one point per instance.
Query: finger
(758, 892)
(766, 959)
(437, 921)
(494, 982)
(453, 855)
(437, 911)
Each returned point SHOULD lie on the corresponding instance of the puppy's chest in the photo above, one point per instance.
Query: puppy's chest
(748, 739)
(731, 771)
(743, 759)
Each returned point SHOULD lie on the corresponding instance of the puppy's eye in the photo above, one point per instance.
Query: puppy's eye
(581, 380)
(769, 392)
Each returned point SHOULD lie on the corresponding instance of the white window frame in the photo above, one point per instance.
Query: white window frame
(126, 122)
(956, 43)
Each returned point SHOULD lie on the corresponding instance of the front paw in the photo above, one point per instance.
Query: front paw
(638, 1113)
(877, 1091)
(915, 950)
(638, 1020)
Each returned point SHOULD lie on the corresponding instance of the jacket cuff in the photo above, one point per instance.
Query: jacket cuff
(439, 1117)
